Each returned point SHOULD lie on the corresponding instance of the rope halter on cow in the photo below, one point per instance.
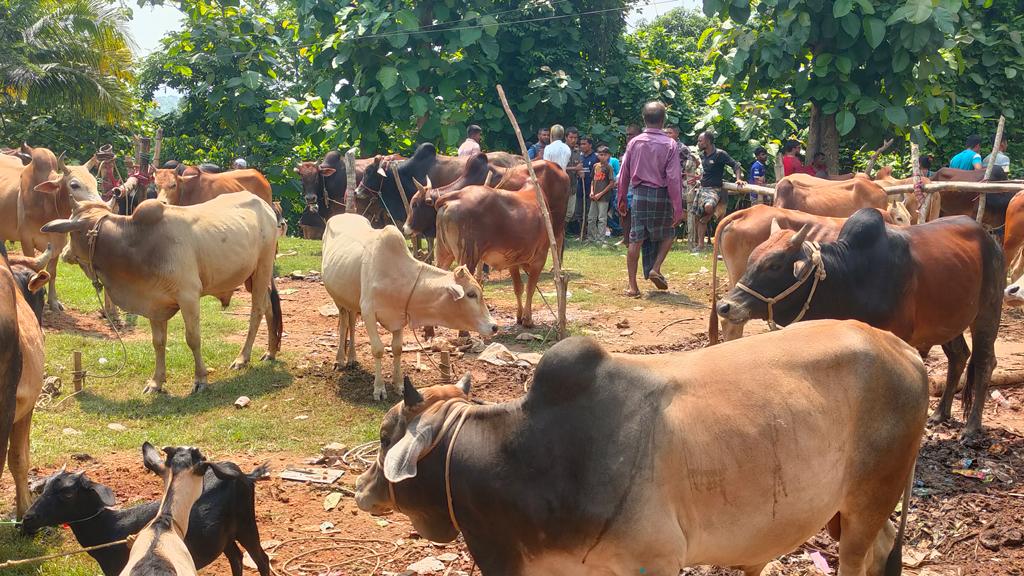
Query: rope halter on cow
(816, 269)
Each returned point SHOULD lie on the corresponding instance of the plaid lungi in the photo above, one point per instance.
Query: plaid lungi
(704, 196)
(651, 216)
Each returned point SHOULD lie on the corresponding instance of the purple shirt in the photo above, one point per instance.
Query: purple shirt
(652, 159)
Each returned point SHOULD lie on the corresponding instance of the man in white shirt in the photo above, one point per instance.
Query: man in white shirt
(1002, 160)
(558, 151)
(471, 146)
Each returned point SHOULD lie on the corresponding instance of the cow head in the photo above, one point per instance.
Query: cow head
(422, 214)
(1014, 294)
(899, 213)
(31, 276)
(166, 182)
(773, 267)
(468, 312)
(408, 474)
(66, 498)
(379, 179)
(312, 177)
(74, 182)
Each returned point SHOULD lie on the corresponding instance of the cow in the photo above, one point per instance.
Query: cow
(965, 203)
(612, 464)
(163, 258)
(829, 198)
(223, 517)
(370, 272)
(31, 196)
(739, 233)
(1013, 235)
(927, 284)
(159, 548)
(505, 159)
(504, 229)
(21, 363)
(196, 187)
(323, 190)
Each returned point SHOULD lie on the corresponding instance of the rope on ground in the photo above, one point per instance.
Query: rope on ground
(10, 563)
(361, 457)
(343, 545)
(124, 348)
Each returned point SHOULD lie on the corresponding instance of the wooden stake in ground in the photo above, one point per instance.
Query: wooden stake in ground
(874, 156)
(78, 376)
(350, 184)
(915, 167)
(991, 164)
(780, 173)
(561, 279)
(157, 146)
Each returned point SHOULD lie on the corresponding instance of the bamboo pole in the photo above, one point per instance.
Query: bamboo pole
(350, 184)
(977, 187)
(561, 279)
(991, 164)
(78, 376)
(733, 188)
(779, 172)
(923, 208)
(874, 156)
(157, 146)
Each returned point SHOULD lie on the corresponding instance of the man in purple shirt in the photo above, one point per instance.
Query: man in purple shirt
(651, 166)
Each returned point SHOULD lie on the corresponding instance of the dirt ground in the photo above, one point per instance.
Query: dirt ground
(958, 525)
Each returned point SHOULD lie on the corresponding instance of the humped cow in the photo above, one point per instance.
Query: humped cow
(1013, 236)
(21, 363)
(370, 272)
(620, 464)
(323, 190)
(927, 284)
(163, 258)
(838, 199)
(504, 229)
(739, 233)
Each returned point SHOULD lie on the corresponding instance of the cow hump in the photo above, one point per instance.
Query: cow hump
(567, 370)
(864, 228)
(149, 212)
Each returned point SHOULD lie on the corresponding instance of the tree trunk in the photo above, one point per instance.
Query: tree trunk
(822, 136)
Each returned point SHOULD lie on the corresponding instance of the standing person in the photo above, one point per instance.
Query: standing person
(471, 146)
(651, 167)
(819, 165)
(587, 161)
(536, 151)
(572, 137)
(603, 184)
(970, 157)
(1002, 160)
(791, 164)
(758, 172)
(713, 161)
(558, 151)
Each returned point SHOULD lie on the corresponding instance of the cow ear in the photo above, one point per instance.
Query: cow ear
(465, 383)
(401, 460)
(64, 226)
(152, 459)
(457, 292)
(775, 227)
(49, 186)
(462, 272)
(327, 171)
(410, 395)
(187, 177)
(798, 268)
(38, 280)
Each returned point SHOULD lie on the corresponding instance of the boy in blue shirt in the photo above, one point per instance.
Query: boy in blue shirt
(970, 157)
(757, 172)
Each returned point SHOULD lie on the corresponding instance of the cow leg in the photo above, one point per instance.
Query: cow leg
(532, 277)
(351, 338)
(983, 362)
(270, 314)
(260, 301)
(17, 459)
(156, 383)
(517, 287)
(957, 353)
(396, 365)
(430, 249)
(339, 359)
(190, 314)
(860, 531)
(377, 349)
(234, 556)
(57, 241)
(109, 309)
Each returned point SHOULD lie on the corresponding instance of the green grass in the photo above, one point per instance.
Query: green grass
(279, 392)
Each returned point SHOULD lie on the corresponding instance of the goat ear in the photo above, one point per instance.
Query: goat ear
(38, 280)
(457, 292)
(401, 460)
(224, 471)
(105, 494)
(64, 226)
(152, 459)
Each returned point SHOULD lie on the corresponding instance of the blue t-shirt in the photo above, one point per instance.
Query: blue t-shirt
(588, 161)
(757, 170)
(615, 166)
(965, 160)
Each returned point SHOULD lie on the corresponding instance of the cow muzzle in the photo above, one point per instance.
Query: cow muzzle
(371, 492)
(1013, 295)
(732, 312)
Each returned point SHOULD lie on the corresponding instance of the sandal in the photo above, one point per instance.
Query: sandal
(631, 294)
(658, 280)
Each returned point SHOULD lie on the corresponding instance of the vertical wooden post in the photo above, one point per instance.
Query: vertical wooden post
(446, 366)
(350, 185)
(561, 279)
(157, 146)
(991, 164)
(78, 377)
(915, 166)
(779, 172)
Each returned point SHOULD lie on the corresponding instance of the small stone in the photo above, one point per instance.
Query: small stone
(326, 526)
(624, 323)
(637, 308)
(297, 275)
(81, 457)
(71, 432)
(448, 557)
(242, 401)
(334, 451)
(428, 565)
(626, 333)
(301, 417)
(117, 427)
(329, 311)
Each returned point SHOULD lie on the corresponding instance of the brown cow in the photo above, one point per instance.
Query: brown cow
(829, 198)
(1013, 236)
(44, 187)
(927, 284)
(957, 203)
(21, 364)
(195, 186)
(749, 228)
(504, 229)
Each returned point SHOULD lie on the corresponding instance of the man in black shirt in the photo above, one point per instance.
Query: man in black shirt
(714, 162)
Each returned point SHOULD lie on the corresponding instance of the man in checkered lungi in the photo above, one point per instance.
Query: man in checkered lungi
(651, 168)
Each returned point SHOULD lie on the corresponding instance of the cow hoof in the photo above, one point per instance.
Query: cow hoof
(198, 387)
(153, 388)
(938, 417)
(380, 394)
(972, 438)
(268, 357)
(56, 306)
(527, 323)
(239, 364)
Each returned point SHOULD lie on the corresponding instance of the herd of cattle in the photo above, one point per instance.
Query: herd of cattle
(611, 463)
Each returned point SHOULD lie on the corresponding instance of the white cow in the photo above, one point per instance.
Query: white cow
(370, 272)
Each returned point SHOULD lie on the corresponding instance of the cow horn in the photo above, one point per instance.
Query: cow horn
(43, 260)
(775, 227)
(798, 239)
(429, 185)
(410, 394)
(91, 163)
(60, 164)
(420, 187)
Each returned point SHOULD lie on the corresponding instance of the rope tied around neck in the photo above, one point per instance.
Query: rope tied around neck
(816, 269)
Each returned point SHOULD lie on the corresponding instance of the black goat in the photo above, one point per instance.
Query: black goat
(223, 515)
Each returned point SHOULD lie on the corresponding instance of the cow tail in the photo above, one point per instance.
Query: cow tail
(275, 310)
(969, 389)
(10, 356)
(894, 563)
(713, 317)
